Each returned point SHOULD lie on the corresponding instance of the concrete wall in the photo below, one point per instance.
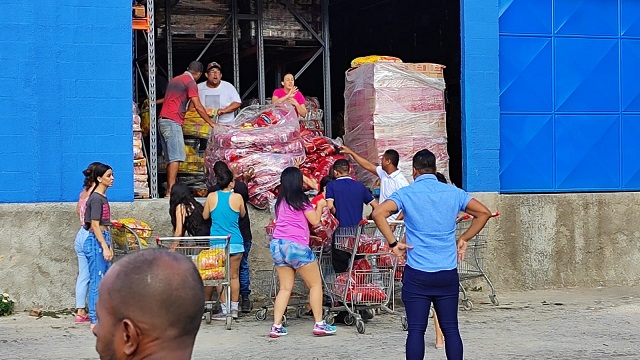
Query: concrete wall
(540, 241)
(65, 98)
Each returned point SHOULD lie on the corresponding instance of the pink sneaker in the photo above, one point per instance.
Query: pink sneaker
(82, 319)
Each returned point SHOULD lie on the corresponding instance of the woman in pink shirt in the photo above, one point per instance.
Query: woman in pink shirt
(291, 252)
(289, 93)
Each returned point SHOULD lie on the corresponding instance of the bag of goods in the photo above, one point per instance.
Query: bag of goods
(321, 152)
(195, 126)
(124, 237)
(323, 232)
(140, 167)
(372, 59)
(368, 244)
(212, 274)
(210, 259)
(263, 138)
(358, 291)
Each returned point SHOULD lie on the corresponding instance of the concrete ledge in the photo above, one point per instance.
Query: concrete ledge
(540, 241)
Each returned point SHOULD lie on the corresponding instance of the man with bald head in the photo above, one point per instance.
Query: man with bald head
(150, 306)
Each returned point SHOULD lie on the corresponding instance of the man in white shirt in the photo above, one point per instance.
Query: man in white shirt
(391, 179)
(218, 94)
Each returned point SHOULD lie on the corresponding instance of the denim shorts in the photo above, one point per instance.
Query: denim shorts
(291, 254)
(173, 140)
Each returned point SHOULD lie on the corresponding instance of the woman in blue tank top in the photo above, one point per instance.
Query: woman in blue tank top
(225, 208)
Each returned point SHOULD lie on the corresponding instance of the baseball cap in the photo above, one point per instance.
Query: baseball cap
(212, 65)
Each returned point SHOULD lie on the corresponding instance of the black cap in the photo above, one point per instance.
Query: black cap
(212, 65)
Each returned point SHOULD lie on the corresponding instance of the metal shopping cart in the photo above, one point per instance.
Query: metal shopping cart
(368, 283)
(472, 266)
(267, 282)
(211, 256)
(127, 237)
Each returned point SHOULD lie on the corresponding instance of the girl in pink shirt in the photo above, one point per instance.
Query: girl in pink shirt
(289, 94)
(291, 252)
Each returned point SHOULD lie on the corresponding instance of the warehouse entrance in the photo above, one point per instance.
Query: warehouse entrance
(294, 41)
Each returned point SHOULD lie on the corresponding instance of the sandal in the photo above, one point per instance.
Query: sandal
(81, 319)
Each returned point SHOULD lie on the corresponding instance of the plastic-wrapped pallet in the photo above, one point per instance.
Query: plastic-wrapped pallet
(397, 106)
(263, 138)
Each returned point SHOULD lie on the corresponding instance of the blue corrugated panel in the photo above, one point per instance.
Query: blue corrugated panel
(591, 128)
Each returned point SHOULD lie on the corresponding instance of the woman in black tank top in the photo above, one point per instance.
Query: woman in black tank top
(186, 213)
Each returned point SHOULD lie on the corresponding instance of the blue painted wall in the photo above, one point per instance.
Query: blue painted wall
(65, 97)
(480, 95)
(569, 95)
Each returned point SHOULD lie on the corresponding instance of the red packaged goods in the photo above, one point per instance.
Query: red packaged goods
(396, 106)
(358, 292)
(324, 230)
(263, 138)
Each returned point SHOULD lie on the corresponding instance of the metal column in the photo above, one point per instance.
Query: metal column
(236, 50)
(260, 53)
(327, 68)
(151, 51)
(169, 38)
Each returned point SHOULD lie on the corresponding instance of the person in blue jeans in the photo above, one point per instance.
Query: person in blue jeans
(432, 251)
(82, 282)
(240, 187)
(97, 246)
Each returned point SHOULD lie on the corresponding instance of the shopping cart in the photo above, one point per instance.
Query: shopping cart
(267, 283)
(368, 283)
(125, 239)
(212, 261)
(470, 268)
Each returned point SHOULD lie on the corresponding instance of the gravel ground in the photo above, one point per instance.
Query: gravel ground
(551, 324)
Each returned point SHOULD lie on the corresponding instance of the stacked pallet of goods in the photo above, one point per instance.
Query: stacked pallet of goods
(140, 184)
(393, 105)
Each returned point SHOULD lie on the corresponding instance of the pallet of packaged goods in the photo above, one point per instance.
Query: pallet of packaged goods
(280, 23)
(140, 184)
(397, 106)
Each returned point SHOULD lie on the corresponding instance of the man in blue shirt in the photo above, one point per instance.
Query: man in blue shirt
(346, 199)
(430, 209)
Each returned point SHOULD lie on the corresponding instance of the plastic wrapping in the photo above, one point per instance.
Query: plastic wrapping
(267, 149)
(396, 106)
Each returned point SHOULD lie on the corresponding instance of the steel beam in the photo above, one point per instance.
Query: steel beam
(327, 69)
(236, 50)
(260, 52)
(309, 62)
(151, 51)
(215, 35)
(169, 38)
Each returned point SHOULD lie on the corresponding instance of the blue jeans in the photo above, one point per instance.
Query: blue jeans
(82, 284)
(419, 290)
(245, 282)
(98, 267)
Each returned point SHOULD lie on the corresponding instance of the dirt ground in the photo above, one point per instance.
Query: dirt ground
(552, 324)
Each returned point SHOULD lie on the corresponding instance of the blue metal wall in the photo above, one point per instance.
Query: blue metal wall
(65, 97)
(569, 95)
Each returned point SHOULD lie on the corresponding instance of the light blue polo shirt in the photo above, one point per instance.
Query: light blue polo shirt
(430, 209)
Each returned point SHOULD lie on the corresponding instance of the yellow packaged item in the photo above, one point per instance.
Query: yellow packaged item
(212, 274)
(121, 236)
(373, 59)
(210, 259)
